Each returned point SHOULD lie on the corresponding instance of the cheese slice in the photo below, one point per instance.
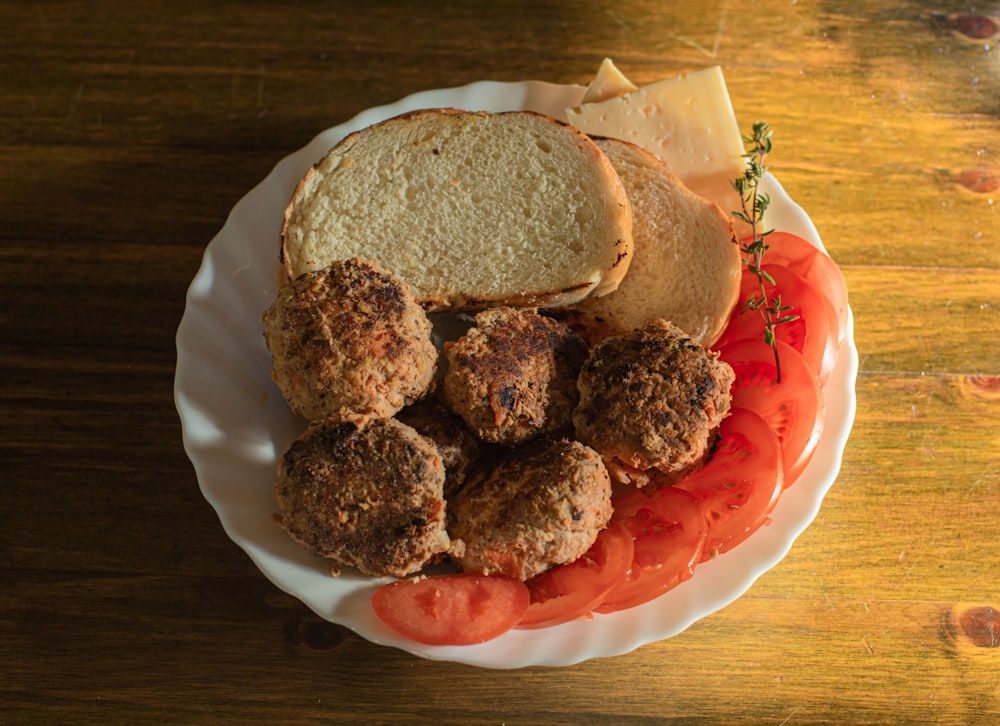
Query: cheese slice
(687, 121)
(608, 83)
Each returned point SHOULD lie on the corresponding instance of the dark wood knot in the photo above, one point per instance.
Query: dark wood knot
(981, 386)
(977, 27)
(981, 626)
(972, 625)
(973, 27)
(978, 181)
(323, 635)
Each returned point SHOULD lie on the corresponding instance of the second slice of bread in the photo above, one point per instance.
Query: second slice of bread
(686, 264)
(469, 208)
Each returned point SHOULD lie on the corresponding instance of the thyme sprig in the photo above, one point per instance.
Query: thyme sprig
(753, 204)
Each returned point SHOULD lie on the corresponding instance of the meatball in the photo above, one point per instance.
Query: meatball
(513, 376)
(364, 496)
(456, 443)
(349, 343)
(651, 403)
(540, 506)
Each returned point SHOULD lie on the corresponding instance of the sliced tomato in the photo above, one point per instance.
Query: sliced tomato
(669, 529)
(813, 334)
(801, 256)
(740, 484)
(794, 408)
(452, 609)
(573, 590)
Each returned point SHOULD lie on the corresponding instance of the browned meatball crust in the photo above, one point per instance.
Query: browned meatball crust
(540, 506)
(651, 403)
(512, 377)
(349, 342)
(368, 497)
(457, 445)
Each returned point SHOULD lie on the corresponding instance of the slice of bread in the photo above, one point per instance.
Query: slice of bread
(686, 263)
(470, 209)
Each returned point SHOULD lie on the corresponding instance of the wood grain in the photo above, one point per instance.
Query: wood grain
(129, 130)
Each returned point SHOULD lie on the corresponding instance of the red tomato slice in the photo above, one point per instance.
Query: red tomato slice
(669, 529)
(573, 590)
(800, 256)
(813, 334)
(740, 484)
(452, 609)
(794, 408)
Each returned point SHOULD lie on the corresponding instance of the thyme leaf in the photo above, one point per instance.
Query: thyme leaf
(754, 204)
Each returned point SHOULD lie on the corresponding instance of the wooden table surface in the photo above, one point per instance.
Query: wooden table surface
(128, 130)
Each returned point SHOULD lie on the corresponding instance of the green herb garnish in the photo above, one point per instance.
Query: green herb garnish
(754, 203)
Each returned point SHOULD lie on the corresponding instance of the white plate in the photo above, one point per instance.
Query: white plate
(236, 424)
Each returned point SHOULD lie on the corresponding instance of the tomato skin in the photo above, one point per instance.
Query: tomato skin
(740, 484)
(802, 257)
(573, 590)
(669, 529)
(794, 408)
(813, 334)
(452, 609)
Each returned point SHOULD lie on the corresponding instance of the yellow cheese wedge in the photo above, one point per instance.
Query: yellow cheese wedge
(687, 121)
(608, 83)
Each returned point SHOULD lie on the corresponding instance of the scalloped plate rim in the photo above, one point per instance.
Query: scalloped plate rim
(223, 376)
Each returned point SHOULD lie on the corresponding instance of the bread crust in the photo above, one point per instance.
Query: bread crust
(604, 262)
(686, 261)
